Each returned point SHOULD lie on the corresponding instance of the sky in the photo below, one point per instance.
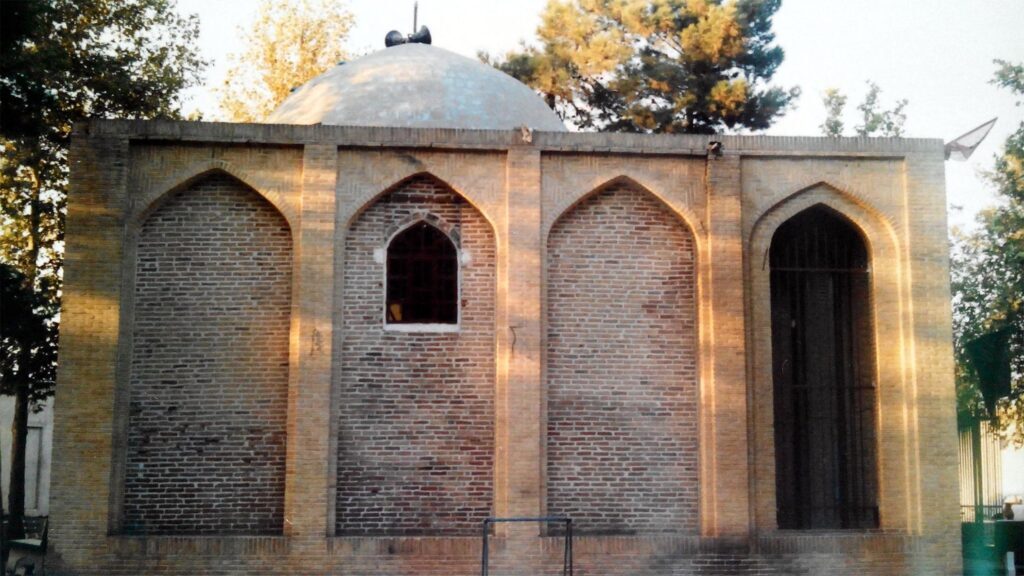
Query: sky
(935, 53)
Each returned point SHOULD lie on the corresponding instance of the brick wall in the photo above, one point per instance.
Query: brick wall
(621, 367)
(822, 554)
(416, 410)
(209, 365)
(111, 179)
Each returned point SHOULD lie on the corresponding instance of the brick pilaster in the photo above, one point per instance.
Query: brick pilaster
(933, 393)
(523, 399)
(725, 489)
(90, 317)
(309, 388)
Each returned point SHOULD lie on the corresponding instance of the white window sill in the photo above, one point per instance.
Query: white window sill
(429, 328)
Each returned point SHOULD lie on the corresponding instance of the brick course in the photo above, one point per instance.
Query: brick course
(209, 365)
(416, 410)
(622, 452)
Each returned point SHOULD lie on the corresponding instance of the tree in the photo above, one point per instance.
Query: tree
(887, 123)
(28, 352)
(835, 102)
(28, 343)
(289, 44)
(675, 66)
(875, 120)
(988, 279)
(63, 61)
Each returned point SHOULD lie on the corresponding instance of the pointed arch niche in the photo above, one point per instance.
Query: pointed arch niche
(154, 194)
(621, 365)
(831, 438)
(428, 391)
(202, 417)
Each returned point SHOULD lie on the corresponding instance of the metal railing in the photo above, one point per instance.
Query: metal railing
(567, 560)
(979, 513)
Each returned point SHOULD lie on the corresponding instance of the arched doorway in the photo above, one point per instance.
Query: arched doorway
(823, 369)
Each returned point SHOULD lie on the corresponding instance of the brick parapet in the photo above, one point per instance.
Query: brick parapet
(501, 140)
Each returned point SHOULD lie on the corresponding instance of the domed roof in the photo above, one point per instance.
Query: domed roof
(418, 86)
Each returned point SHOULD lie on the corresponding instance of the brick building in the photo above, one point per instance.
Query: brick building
(336, 342)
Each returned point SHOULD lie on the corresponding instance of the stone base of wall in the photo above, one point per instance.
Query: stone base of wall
(782, 554)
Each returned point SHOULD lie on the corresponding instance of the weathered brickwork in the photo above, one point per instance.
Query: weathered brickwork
(416, 410)
(622, 442)
(823, 554)
(209, 365)
(362, 408)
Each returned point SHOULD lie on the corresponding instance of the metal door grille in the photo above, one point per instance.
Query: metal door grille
(823, 374)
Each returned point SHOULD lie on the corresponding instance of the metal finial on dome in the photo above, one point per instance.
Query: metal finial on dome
(395, 38)
(421, 36)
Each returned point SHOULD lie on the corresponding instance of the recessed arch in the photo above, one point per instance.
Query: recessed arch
(868, 220)
(440, 376)
(683, 213)
(621, 364)
(157, 194)
(405, 180)
(891, 347)
(207, 344)
(427, 217)
(823, 373)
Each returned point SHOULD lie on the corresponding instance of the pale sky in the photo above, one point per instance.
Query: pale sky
(936, 53)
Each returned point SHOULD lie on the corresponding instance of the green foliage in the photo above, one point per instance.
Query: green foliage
(71, 59)
(290, 43)
(28, 341)
(875, 120)
(673, 66)
(65, 60)
(886, 123)
(988, 277)
(835, 102)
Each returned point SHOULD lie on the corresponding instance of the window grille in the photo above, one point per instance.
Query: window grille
(422, 277)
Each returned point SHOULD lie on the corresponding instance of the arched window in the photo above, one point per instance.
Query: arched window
(823, 374)
(422, 277)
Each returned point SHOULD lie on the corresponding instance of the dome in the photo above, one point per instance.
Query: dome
(417, 86)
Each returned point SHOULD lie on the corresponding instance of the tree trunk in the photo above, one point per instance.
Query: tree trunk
(3, 528)
(19, 428)
(19, 437)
